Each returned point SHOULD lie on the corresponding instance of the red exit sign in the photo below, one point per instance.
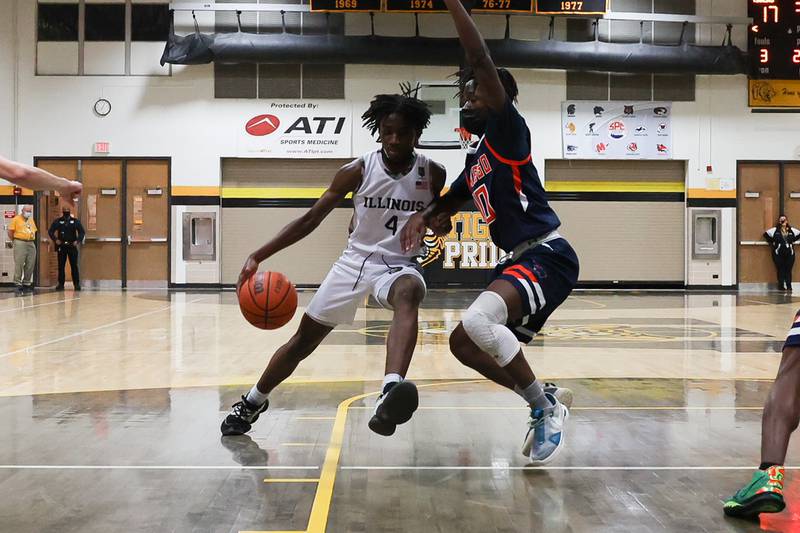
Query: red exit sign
(102, 147)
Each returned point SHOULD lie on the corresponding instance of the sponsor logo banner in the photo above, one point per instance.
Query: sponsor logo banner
(297, 129)
(616, 130)
(775, 93)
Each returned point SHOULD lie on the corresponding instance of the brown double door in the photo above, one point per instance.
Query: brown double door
(125, 212)
(765, 191)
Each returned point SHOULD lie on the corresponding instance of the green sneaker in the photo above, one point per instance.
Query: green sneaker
(764, 494)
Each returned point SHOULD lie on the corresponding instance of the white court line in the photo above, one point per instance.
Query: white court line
(37, 305)
(153, 467)
(577, 468)
(92, 330)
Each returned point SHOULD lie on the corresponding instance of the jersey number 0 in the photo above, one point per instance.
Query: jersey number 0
(481, 197)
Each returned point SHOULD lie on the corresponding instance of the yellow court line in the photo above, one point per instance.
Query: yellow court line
(320, 509)
(290, 480)
(322, 501)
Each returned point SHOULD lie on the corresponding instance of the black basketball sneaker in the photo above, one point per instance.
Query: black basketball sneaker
(394, 406)
(242, 417)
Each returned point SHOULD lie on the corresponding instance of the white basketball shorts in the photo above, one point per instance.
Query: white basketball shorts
(351, 279)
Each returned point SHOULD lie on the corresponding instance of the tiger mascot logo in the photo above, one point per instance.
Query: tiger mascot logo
(433, 249)
(763, 91)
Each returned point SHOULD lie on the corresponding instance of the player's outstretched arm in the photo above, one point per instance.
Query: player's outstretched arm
(346, 181)
(39, 180)
(436, 216)
(478, 55)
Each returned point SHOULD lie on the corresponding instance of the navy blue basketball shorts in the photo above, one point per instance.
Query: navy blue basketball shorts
(544, 276)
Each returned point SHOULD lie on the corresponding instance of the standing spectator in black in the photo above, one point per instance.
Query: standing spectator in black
(781, 239)
(67, 232)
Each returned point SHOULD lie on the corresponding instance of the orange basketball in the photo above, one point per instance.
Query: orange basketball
(268, 300)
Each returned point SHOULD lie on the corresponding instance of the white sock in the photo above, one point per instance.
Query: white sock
(534, 395)
(390, 378)
(256, 397)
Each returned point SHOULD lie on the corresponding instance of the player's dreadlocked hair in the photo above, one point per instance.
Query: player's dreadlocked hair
(466, 75)
(407, 104)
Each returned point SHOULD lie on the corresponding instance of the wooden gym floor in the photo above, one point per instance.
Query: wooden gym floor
(110, 405)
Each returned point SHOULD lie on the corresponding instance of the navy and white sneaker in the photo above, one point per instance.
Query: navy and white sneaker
(562, 394)
(242, 417)
(545, 437)
(394, 407)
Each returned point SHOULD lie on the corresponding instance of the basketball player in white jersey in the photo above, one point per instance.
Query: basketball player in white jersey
(388, 186)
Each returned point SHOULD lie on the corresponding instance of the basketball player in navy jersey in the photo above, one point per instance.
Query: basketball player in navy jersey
(388, 185)
(541, 268)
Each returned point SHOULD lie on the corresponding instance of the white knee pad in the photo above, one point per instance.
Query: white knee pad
(484, 323)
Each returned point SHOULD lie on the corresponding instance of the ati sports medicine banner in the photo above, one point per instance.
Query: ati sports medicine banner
(297, 129)
(464, 258)
(612, 130)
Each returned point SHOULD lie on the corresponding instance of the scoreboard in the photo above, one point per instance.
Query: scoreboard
(543, 7)
(774, 39)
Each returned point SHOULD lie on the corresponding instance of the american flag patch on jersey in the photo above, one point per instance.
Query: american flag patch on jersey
(422, 181)
(793, 339)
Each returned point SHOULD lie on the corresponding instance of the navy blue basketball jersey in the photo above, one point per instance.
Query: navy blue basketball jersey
(504, 184)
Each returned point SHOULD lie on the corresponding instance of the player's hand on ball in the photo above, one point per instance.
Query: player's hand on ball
(441, 224)
(248, 270)
(413, 232)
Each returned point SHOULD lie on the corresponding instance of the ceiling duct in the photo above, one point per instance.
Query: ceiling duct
(241, 47)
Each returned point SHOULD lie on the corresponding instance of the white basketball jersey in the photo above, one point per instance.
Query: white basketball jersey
(384, 203)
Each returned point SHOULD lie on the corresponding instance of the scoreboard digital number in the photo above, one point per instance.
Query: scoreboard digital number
(564, 7)
(345, 6)
(774, 39)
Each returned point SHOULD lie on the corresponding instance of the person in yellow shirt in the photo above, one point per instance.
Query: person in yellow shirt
(22, 232)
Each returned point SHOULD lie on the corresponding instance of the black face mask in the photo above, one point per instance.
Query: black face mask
(65, 214)
(473, 121)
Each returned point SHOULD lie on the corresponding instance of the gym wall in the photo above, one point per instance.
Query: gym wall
(261, 196)
(625, 219)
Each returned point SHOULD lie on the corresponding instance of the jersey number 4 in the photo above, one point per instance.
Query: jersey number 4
(392, 225)
(481, 197)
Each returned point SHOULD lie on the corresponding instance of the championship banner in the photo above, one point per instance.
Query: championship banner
(463, 258)
(611, 130)
(297, 129)
(774, 93)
